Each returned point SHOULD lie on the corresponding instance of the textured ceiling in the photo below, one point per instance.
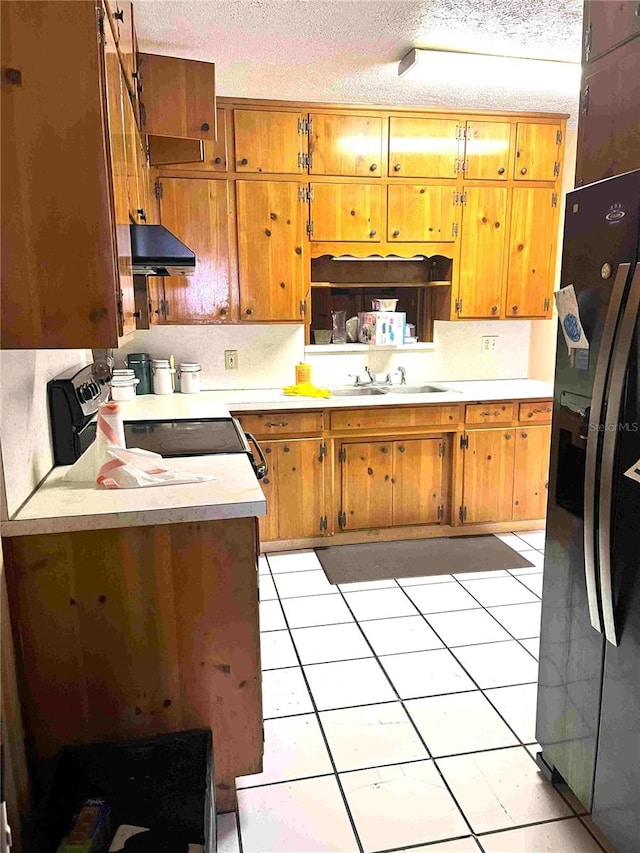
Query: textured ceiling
(348, 50)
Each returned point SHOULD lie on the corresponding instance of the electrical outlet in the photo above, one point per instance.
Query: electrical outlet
(231, 359)
(489, 343)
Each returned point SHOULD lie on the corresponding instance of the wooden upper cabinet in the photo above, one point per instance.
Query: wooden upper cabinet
(367, 488)
(270, 252)
(537, 152)
(487, 150)
(423, 147)
(193, 155)
(177, 97)
(269, 141)
(420, 213)
(346, 212)
(482, 251)
(197, 212)
(420, 481)
(531, 472)
(120, 14)
(345, 145)
(488, 466)
(608, 25)
(531, 252)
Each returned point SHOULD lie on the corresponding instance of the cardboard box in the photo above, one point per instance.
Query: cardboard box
(381, 328)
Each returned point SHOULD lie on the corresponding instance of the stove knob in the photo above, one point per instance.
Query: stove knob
(81, 393)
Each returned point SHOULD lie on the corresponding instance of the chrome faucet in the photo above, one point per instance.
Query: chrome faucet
(372, 377)
(403, 375)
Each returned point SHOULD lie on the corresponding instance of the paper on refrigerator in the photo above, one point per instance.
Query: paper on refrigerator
(569, 316)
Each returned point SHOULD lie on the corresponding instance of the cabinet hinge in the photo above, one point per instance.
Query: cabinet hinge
(556, 169)
(120, 303)
(585, 100)
(464, 442)
(554, 199)
(310, 228)
(342, 520)
(547, 303)
(454, 229)
(459, 198)
(342, 454)
(440, 511)
(463, 195)
(441, 448)
(304, 161)
(457, 165)
(323, 451)
(100, 24)
(558, 137)
(458, 305)
(303, 307)
(158, 189)
(587, 42)
(459, 131)
(305, 193)
(323, 522)
(303, 126)
(463, 513)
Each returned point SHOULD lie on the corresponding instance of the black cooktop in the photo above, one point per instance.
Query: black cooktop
(186, 437)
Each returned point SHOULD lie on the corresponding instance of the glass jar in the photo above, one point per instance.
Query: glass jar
(162, 376)
(189, 373)
(123, 386)
(140, 363)
(339, 327)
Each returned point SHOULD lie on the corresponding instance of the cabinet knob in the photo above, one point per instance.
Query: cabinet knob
(204, 126)
(298, 250)
(514, 308)
(249, 311)
(141, 214)
(396, 232)
(244, 161)
(373, 232)
(501, 170)
(218, 160)
(385, 449)
(401, 448)
(397, 167)
(223, 312)
(137, 314)
(119, 15)
(373, 167)
(494, 309)
(523, 434)
(523, 171)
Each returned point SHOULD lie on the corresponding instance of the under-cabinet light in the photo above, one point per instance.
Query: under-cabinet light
(377, 258)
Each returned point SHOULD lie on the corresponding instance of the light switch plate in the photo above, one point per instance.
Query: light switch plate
(231, 359)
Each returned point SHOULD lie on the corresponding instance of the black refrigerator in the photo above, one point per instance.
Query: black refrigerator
(588, 715)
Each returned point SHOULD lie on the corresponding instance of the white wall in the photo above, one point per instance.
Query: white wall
(25, 433)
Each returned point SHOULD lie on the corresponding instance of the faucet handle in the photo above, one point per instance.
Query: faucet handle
(355, 376)
(372, 376)
(403, 375)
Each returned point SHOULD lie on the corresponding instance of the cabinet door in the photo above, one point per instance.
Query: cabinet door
(132, 141)
(197, 212)
(423, 147)
(531, 472)
(487, 150)
(537, 152)
(609, 129)
(269, 523)
(419, 483)
(192, 155)
(487, 487)
(367, 490)
(118, 157)
(268, 141)
(345, 145)
(346, 212)
(178, 97)
(531, 243)
(270, 250)
(609, 24)
(121, 17)
(420, 214)
(482, 251)
(300, 471)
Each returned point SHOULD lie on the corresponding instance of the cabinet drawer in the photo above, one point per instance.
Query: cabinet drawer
(281, 423)
(538, 411)
(489, 413)
(411, 416)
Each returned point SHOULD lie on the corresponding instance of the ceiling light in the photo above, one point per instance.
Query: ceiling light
(481, 69)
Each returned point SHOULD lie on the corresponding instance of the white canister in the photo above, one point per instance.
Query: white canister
(162, 376)
(189, 373)
(123, 387)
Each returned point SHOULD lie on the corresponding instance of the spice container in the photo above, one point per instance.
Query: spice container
(140, 363)
(162, 376)
(123, 385)
(189, 374)
(303, 373)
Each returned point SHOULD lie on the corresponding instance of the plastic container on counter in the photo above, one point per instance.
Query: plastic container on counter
(123, 385)
(140, 363)
(163, 375)
(189, 373)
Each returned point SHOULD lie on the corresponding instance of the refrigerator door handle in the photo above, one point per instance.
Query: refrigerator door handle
(591, 474)
(621, 350)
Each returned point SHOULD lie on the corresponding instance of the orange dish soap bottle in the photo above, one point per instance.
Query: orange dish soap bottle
(303, 373)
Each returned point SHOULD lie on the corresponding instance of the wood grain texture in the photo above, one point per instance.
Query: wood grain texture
(610, 24)
(281, 423)
(178, 153)
(270, 253)
(423, 147)
(487, 150)
(57, 219)
(420, 477)
(301, 492)
(536, 412)
(198, 213)
(421, 213)
(402, 418)
(346, 145)
(482, 251)
(347, 212)
(488, 475)
(268, 141)
(532, 238)
(178, 97)
(531, 472)
(269, 523)
(537, 151)
(367, 488)
(489, 413)
(161, 634)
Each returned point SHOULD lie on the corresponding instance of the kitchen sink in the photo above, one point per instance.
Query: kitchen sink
(415, 389)
(356, 392)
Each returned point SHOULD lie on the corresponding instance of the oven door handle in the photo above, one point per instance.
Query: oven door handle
(261, 468)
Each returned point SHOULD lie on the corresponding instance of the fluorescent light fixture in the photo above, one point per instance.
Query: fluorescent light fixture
(378, 258)
(481, 69)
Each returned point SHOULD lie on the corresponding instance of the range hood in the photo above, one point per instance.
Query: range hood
(155, 251)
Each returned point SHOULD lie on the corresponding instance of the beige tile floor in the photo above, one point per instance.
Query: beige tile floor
(400, 715)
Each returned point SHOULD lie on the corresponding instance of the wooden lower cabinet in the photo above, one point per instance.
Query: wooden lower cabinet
(530, 485)
(148, 630)
(294, 489)
(389, 483)
(488, 472)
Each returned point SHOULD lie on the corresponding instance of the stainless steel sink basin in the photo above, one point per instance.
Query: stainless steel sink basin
(415, 389)
(356, 392)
